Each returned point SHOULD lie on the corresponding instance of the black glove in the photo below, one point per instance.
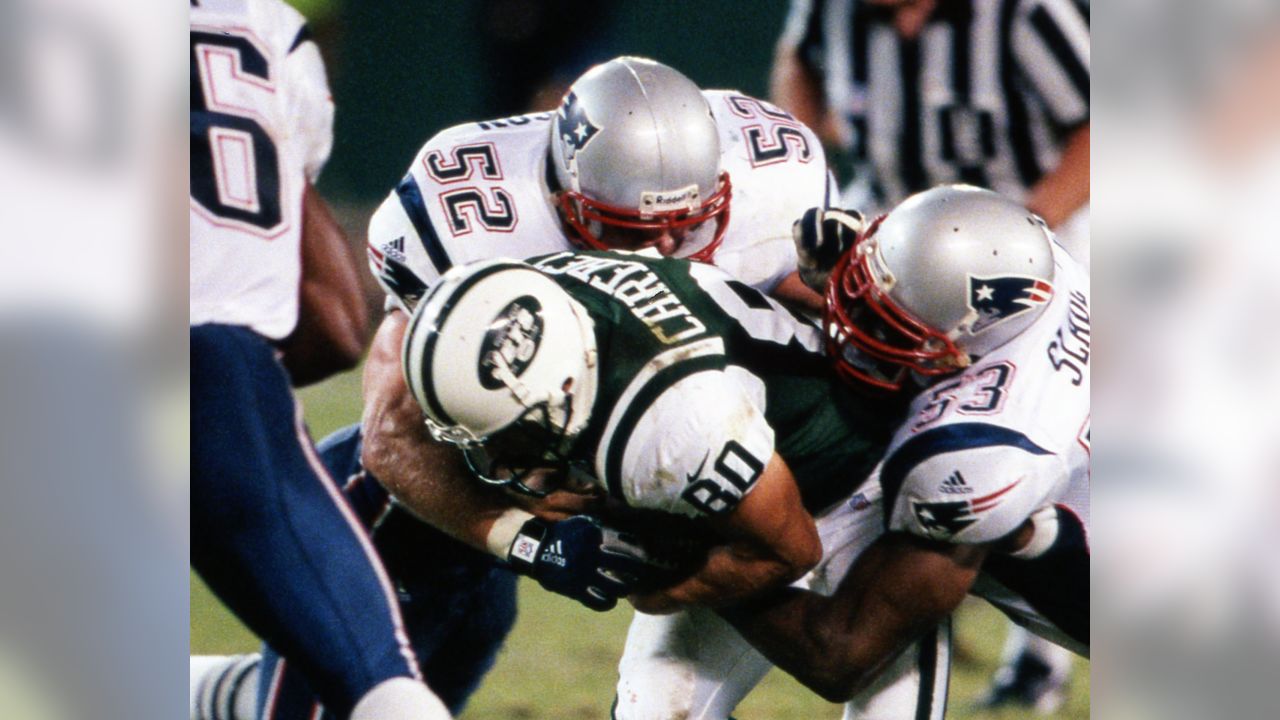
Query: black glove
(821, 236)
(584, 560)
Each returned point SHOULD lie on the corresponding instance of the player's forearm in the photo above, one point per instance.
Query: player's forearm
(795, 294)
(429, 478)
(770, 540)
(421, 475)
(1060, 193)
(794, 88)
(829, 644)
(730, 574)
(791, 628)
(333, 321)
(897, 590)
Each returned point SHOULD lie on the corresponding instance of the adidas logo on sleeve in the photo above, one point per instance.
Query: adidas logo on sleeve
(955, 485)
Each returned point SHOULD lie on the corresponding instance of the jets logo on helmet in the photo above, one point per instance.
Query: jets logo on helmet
(574, 127)
(995, 299)
(511, 342)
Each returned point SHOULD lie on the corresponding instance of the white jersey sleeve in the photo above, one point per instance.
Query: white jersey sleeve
(983, 451)
(261, 129)
(308, 100)
(474, 192)
(696, 449)
(970, 482)
(778, 170)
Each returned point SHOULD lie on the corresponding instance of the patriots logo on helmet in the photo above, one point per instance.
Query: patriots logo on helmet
(996, 299)
(573, 125)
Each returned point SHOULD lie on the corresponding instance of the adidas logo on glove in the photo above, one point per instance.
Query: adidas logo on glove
(553, 554)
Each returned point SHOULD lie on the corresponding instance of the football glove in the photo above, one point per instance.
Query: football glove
(584, 560)
(821, 236)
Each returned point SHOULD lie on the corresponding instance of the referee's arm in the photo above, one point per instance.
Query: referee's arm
(1050, 40)
(1065, 189)
(795, 84)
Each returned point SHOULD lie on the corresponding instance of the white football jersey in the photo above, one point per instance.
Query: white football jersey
(983, 450)
(483, 190)
(670, 449)
(1004, 441)
(261, 129)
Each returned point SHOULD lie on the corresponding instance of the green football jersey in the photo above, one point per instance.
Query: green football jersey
(701, 379)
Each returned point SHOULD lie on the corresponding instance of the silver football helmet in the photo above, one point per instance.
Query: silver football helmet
(945, 277)
(498, 352)
(635, 146)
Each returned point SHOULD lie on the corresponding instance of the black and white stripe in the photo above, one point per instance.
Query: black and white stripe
(986, 94)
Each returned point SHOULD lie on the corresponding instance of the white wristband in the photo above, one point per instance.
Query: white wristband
(504, 531)
(1045, 531)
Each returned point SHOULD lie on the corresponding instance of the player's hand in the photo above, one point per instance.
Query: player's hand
(821, 236)
(582, 559)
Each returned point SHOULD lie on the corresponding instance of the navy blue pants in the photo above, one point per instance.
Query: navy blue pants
(458, 603)
(271, 533)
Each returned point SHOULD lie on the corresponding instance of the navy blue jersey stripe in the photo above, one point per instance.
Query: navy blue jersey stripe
(945, 439)
(304, 34)
(1061, 50)
(411, 200)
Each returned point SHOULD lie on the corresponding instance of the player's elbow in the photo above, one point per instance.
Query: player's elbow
(836, 687)
(804, 554)
(347, 341)
(836, 672)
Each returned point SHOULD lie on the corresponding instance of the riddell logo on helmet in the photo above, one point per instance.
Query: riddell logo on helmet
(686, 198)
(511, 342)
(997, 299)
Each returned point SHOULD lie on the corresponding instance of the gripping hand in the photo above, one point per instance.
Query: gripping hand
(821, 236)
(582, 559)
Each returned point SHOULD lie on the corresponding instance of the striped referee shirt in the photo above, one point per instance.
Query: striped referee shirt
(986, 94)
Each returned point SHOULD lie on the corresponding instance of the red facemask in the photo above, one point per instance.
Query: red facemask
(579, 211)
(870, 338)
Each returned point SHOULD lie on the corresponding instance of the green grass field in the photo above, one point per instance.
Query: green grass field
(560, 661)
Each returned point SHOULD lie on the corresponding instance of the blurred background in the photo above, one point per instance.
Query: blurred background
(94, 616)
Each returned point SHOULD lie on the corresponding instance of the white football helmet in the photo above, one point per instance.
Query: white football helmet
(634, 145)
(945, 277)
(499, 349)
